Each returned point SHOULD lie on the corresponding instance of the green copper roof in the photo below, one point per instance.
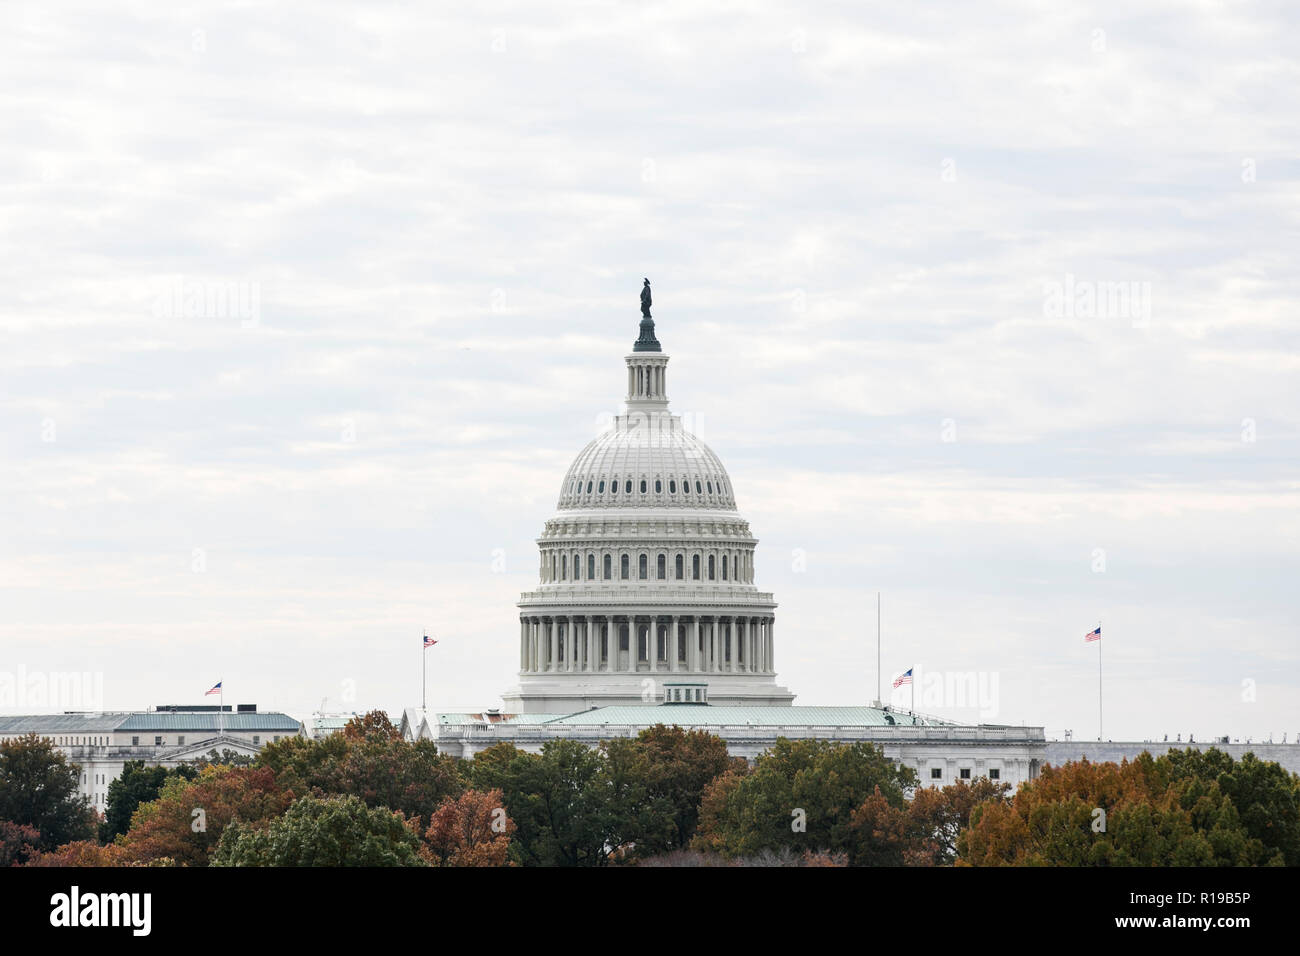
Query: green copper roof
(647, 342)
(706, 715)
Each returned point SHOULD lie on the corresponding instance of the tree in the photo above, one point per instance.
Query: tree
(800, 795)
(186, 821)
(374, 725)
(136, 784)
(679, 765)
(18, 842)
(1266, 795)
(472, 830)
(922, 832)
(370, 761)
(80, 853)
(575, 805)
(1145, 813)
(39, 788)
(333, 831)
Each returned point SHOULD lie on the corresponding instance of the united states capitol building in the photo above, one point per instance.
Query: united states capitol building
(646, 611)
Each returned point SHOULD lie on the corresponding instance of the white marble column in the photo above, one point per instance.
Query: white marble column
(632, 625)
(652, 644)
(672, 647)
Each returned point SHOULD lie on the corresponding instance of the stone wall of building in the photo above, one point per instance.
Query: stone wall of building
(1062, 751)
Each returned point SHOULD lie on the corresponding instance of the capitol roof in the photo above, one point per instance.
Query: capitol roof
(647, 462)
(707, 715)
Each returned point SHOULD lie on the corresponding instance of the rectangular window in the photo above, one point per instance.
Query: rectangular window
(256, 740)
(135, 741)
(995, 774)
(157, 741)
(180, 741)
(936, 773)
(965, 773)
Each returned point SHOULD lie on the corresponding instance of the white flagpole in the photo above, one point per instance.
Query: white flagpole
(878, 697)
(1101, 733)
(424, 683)
(221, 708)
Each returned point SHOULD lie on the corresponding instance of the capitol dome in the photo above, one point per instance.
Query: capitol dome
(646, 579)
(653, 462)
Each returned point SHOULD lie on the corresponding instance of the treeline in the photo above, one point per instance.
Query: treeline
(669, 797)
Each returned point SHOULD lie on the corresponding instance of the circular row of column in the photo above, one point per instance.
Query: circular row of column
(629, 644)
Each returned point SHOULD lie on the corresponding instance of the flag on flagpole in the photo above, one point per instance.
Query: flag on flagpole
(215, 690)
(1092, 636)
(428, 641)
(904, 678)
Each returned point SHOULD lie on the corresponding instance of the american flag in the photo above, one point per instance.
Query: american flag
(903, 678)
(428, 641)
(215, 690)
(1093, 635)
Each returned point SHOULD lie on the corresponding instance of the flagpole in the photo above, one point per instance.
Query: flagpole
(424, 683)
(1101, 733)
(878, 697)
(221, 709)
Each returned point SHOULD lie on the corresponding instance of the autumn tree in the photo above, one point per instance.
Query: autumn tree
(136, 784)
(39, 788)
(315, 831)
(801, 795)
(923, 831)
(81, 853)
(18, 842)
(368, 760)
(472, 830)
(186, 821)
(1143, 813)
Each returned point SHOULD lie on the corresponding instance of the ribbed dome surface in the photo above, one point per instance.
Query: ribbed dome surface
(647, 464)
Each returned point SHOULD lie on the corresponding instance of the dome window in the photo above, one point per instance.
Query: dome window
(697, 487)
(659, 486)
(661, 569)
(601, 488)
(591, 567)
(642, 486)
(679, 563)
(624, 566)
(672, 486)
(627, 486)
(589, 487)
(709, 485)
(643, 567)
(609, 567)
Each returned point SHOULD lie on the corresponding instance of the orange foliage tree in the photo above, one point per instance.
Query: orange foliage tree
(185, 823)
(472, 830)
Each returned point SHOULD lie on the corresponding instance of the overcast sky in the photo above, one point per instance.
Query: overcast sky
(307, 308)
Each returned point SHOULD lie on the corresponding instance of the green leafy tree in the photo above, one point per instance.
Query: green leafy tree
(331, 831)
(370, 761)
(679, 765)
(1265, 794)
(136, 784)
(575, 805)
(39, 789)
(800, 795)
